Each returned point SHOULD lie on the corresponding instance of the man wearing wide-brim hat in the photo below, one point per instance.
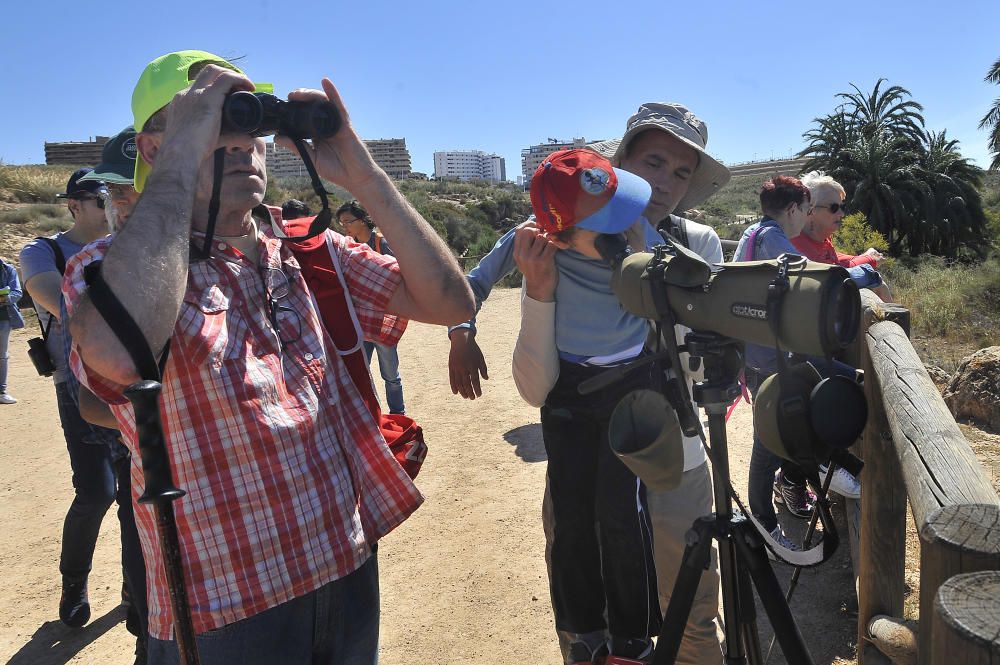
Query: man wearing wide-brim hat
(664, 143)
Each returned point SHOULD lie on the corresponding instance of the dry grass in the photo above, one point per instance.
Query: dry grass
(32, 184)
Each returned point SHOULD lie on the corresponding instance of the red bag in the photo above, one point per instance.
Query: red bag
(403, 435)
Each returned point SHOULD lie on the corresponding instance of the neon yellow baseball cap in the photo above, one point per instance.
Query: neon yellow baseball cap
(163, 78)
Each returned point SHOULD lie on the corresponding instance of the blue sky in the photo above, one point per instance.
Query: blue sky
(501, 76)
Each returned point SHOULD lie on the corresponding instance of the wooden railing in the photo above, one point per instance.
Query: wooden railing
(916, 455)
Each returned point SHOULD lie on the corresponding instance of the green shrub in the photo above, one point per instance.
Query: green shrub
(948, 299)
(855, 236)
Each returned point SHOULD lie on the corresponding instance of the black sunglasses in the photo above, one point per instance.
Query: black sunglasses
(834, 207)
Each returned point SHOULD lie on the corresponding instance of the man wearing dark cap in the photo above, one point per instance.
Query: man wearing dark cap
(91, 449)
(117, 171)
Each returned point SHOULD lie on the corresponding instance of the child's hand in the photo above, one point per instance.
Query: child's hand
(535, 256)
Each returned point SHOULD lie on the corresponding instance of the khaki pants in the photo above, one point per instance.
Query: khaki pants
(672, 514)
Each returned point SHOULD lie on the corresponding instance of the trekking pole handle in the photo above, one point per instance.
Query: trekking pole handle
(159, 481)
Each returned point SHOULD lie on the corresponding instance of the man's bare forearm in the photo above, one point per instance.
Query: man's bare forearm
(435, 286)
(146, 268)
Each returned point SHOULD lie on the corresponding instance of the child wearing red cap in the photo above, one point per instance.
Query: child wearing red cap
(608, 571)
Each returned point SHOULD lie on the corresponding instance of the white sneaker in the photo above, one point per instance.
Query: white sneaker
(7, 399)
(843, 483)
(783, 540)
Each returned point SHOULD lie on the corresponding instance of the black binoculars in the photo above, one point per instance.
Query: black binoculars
(262, 114)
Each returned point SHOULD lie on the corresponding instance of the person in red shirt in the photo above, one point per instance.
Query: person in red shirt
(824, 217)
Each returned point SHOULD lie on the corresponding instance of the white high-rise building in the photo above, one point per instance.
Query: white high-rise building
(469, 165)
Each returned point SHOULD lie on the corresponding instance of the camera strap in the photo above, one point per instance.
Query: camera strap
(322, 221)
(218, 170)
(319, 224)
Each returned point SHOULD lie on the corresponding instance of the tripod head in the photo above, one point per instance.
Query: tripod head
(722, 358)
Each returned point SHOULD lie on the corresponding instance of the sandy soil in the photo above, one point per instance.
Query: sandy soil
(463, 581)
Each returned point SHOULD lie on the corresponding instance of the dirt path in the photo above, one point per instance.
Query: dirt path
(463, 581)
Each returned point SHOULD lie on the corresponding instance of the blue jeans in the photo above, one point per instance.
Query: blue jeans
(100, 477)
(388, 367)
(336, 624)
(4, 355)
(764, 463)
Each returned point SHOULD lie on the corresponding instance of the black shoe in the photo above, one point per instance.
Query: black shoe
(74, 606)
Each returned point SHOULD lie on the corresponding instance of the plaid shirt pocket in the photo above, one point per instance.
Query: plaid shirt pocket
(209, 331)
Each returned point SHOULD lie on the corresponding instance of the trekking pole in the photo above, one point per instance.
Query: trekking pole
(161, 492)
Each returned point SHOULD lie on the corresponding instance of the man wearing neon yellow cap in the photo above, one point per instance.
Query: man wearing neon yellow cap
(289, 482)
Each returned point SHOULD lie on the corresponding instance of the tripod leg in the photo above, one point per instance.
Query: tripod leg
(750, 551)
(697, 555)
(748, 617)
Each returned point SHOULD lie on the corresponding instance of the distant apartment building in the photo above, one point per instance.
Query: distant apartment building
(283, 163)
(390, 154)
(75, 153)
(469, 165)
(533, 156)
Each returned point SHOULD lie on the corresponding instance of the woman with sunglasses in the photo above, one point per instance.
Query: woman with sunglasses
(823, 219)
(785, 203)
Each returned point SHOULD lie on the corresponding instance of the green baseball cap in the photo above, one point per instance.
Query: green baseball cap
(117, 160)
(163, 78)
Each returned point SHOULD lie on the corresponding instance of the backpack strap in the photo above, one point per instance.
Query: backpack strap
(750, 249)
(61, 267)
(677, 228)
(57, 250)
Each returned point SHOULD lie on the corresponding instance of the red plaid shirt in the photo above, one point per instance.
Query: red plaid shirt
(289, 482)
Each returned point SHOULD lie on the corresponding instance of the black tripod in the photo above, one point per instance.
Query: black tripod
(742, 556)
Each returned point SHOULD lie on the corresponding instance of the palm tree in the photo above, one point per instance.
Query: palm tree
(885, 111)
(872, 145)
(958, 218)
(832, 134)
(913, 185)
(991, 121)
(881, 176)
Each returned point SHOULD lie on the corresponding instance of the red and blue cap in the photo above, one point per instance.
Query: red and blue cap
(580, 188)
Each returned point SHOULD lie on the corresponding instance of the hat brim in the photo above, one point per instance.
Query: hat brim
(142, 168)
(107, 174)
(626, 206)
(710, 176)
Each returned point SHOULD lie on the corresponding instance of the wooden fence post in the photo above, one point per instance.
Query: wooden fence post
(967, 620)
(883, 516)
(955, 539)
